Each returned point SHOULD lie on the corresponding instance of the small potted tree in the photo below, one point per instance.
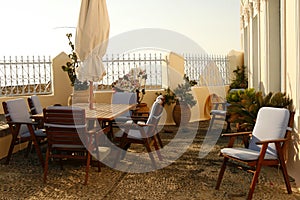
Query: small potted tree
(184, 101)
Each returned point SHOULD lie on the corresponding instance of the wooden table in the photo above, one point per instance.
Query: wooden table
(101, 111)
(104, 111)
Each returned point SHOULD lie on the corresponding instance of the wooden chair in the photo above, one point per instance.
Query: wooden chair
(120, 98)
(35, 105)
(22, 127)
(145, 134)
(68, 137)
(266, 147)
(123, 98)
(35, 108)
(219, 111)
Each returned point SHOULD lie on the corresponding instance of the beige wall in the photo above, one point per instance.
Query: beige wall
(292, 82)
(278, 74)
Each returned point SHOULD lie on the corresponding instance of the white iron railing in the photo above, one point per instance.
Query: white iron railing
(32, 75)
(25, 75)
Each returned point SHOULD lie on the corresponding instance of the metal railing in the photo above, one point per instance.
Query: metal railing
(25, 75)
(207, 68)
(33, 75)
(118, 65)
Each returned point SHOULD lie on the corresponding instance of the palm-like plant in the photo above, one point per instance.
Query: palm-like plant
(182, 92)
(244, 105)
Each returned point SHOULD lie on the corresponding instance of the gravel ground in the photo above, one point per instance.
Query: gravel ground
(189, 177)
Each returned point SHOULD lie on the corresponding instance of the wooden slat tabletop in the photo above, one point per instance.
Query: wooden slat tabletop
(104, 111)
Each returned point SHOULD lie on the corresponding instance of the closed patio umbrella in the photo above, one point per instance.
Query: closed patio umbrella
(91, 41)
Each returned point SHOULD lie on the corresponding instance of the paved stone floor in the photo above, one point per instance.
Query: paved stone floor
(189, 177)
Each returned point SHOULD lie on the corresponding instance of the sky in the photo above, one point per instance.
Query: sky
(38, 27)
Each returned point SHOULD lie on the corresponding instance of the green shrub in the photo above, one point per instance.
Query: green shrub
(244, 105)
(241, 80)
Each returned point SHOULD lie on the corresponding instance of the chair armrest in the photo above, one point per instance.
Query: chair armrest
(25, 123)
(236, 134)
(134, 125)
(216, 105)
(233, 136)
(271, 141)
(99, 130)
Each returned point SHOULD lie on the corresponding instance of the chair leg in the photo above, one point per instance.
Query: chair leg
(28, 149)
(221, 173)
(157, 149)
(46, 165)
(11, 148)
(97, 153)
(36, 145)
(283, 168)
(286, 177)
(88, 162)
(150, 154)
(159, 140)
(254, 180)
(123, 146)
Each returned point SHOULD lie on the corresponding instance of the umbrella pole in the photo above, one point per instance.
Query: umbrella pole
(91, 100)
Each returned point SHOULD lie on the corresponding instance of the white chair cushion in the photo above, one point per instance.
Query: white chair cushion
(271, 123)
(18, 112)
(218, 112)
(133, 133)
(124, 98)
(245, 154)
(154, 107)
(37, 104)
(39, 133)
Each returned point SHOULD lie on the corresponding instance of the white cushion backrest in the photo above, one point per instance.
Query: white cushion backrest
(156, 112)
(37, 104)
(271, 123)
(18, 112)
(124, 98)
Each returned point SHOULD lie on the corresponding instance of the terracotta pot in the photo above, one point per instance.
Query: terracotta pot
(181, 113)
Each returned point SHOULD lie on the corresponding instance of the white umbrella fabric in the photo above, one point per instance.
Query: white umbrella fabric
(91, 41)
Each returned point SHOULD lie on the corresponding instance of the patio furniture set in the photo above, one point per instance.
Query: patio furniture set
(70, 132)
(74, 132)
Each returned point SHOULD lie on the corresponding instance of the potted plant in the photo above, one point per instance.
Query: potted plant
(71, 67)
(184, 101)
(244, 105)
(241, 80)
(169, 96)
